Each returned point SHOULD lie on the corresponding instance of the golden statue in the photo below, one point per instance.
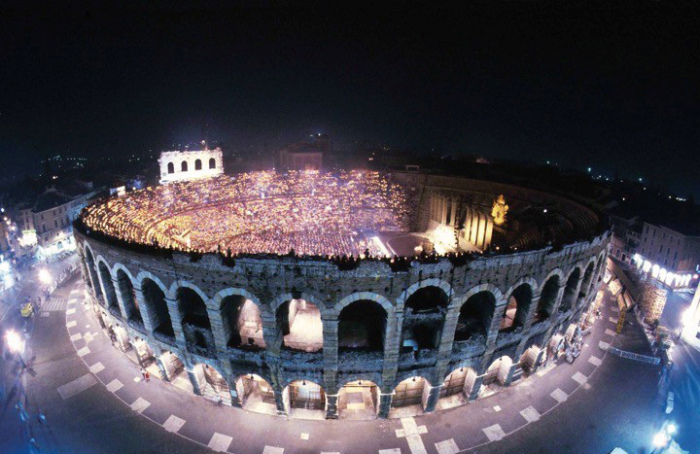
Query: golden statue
(499, 210)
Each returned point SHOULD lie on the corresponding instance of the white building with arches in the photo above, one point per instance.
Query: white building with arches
(190, 165)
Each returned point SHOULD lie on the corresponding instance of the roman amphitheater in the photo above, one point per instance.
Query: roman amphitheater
(356, 295)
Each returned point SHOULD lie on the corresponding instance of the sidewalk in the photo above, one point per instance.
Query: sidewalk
(466, 427)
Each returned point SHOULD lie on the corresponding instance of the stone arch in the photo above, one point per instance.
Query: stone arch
(110, 294)
(498, 371)
(92, 274)
(457, 387)
(431, 282)
(519, 298)
(587, 277)
(424, 317)
(358, 400)
(212, 383)
(197, 164)
(240, 313)
(304, 394)
(125, 288)
(255, 393)
(573, 282)
(548, 297)
(183, 166)
(283, 298)
(363, 321)
(171, 167)
(476, 312)
(194, 313)
(154, 296)
(411, 392)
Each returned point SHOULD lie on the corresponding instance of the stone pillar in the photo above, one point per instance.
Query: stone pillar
(271, 334)
(163, 370)
(385, 404)
(146, 311)
(476, 387)
(176, 320)
(120, 298)
(532, 311)
(217, 330)
(433, 397)
(446, 341)
(193, 381)
(330, 352)
(331, 406)
(557, 303)
(392, 347)
(492, 334)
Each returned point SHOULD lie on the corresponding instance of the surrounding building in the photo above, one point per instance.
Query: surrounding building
(303, 155)
(4, 236)
(190, 165)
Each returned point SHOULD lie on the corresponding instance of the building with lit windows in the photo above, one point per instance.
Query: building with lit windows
(190, 165)
(304, 155)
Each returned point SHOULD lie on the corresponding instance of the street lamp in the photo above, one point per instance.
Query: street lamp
(45, 276)
(15, 343)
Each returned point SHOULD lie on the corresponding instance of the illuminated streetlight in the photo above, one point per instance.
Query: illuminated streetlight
(14, 341)
(45, 276)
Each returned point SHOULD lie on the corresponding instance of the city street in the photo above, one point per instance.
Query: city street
(83, 385)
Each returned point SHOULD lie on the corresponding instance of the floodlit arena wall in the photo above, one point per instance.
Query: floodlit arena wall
(436, 332)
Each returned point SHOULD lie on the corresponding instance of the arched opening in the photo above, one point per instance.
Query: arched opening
(256, 394)
(171, 167)
(408, 398)
(93, 280)
(198, 164)
(456, 388)
(119, 337)
(358, 400)
(300, 323)
(195, 319)
(548, 298)
(361, 325)
(145, 357)
(110, 294)
(212, 385)
(212, 163)
(528, 360)
(183, 166)
(518, 306)
(175, 369)
(424, 317)
(587, 278)
(305, 400)
(475, 316)
(243, 326)
(154, 299)
(571, 291)
(498, 371)
(126, 291)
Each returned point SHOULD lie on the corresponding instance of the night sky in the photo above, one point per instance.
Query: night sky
(613, 88)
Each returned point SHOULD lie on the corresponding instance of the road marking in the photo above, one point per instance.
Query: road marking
(70, 311)
(595, 361)
(390, 451)
(447, 447)
(220, 442)
(494, 433)
(612, 319)
(615, 309)
(273, 450)
(580, 378)
(412, 432)
(304, 436)
(530, 414)
(137, 379)
(83, 351)
(559, 395)
(497, 408)
(76, 337)
(140, 405)
(114, 386)
(76, 386)
(603, 345)
(97, 367)
(71, 324)
(173, 424)
(328, 452)
(610, 332)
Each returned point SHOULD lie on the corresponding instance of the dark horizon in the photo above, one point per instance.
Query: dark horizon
(612, 88)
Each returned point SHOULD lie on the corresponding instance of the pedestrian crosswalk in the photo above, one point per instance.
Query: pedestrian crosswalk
(54, 304)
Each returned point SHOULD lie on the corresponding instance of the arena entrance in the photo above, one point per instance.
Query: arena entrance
(144, 357)
(358, 400)
(305, 400)
(408, 398)
(496, 375)
(301, 324)
(456, 388)
(212, 385)
(255, 394)
(175, 369)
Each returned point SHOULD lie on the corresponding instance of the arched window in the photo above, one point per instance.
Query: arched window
(212, 163)
(171, 167)
(183, 166)
(422, 326)
(198, 164)
(154, 299)
(361, 325)
(475, 316)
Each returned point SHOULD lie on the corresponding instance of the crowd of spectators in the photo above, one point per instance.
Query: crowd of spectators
(308, 212)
